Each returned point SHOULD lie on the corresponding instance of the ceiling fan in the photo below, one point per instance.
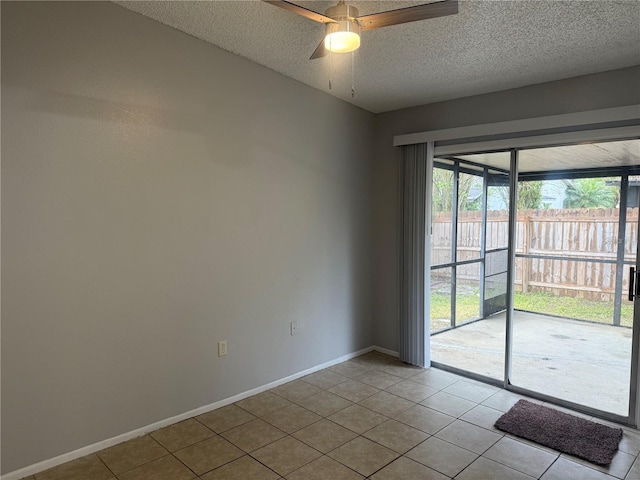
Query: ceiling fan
(343, 25)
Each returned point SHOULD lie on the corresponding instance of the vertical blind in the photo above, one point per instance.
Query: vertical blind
(414, 329)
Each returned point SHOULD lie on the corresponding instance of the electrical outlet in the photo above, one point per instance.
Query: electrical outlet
(222, 348)
(294, 328)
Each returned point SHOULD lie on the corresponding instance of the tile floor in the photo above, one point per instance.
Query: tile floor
(370, 417)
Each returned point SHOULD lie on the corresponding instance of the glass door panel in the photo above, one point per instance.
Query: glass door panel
(497, 243)
(467, 293)
(442, 215)
(469, 224)
(463, 337)
(570, 337)
(441, 287)
(630, 247)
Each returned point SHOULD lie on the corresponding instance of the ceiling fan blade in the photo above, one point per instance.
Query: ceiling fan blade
(320, 51)
(297, 9)
(409, 14)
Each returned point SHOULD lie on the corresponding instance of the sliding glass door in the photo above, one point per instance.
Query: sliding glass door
(573, 232)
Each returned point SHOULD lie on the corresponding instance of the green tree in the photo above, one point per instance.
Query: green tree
(529, 195)
(443, 191)
(589, 193)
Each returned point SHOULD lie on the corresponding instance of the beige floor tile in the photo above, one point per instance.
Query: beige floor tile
(296, 390)
(441, 456)
(502, 400)
(625, 428)
(363, 455)
(253, 435)
(482, 384)
(628, 428)
(387, 404)
(468, 436)
(354, 391)
(180, 435)
(485, 469)
(225, 418)
(286, 455)
(400, 369)
(324, 468)
(634, 473)
(630, 443)
(374, 359)
(470, 391)
(619, 467)
(292, 418)
(349, 369)
(357, 418)
(528, 442)
(411, 390)
(482, 416)
(263, 403)
(131, 454)
(425, 419)
(244, 468)
(325, 435)
(521, 457)
(324, 379)
(396, 436)
(436, 379)
(378, 379)
(164, 468)
(564, 469)
(85, 468)
(325, 403)
(449, 404)
(208, 454)
(406, 469)
(452, 451)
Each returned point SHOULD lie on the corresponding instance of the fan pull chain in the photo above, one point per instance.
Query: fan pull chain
(330, 63)
(353, 76)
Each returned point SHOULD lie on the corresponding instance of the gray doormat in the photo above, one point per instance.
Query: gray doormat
(563, 432)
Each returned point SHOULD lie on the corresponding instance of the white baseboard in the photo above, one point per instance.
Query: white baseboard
(386, 351)
(96, 447)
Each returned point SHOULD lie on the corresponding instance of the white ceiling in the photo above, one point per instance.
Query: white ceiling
(488, 46)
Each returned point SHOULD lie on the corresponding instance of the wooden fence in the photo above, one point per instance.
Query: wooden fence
(586, 236)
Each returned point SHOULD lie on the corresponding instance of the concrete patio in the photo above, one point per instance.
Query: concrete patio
(581, 362)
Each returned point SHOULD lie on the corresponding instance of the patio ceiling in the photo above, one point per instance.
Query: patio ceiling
(624, 153)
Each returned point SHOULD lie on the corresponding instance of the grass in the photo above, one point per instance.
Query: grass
(467, 307)
(570, 307)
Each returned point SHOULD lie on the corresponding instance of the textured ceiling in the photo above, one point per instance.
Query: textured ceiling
(488, 46)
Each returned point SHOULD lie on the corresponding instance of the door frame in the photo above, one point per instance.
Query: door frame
(585, 126)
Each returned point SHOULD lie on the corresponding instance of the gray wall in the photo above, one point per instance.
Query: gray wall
(604, 90)
(158, 195)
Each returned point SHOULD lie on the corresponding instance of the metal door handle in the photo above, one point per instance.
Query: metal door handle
(632, 281)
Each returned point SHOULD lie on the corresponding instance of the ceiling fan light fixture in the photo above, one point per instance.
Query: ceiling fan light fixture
(342, 36)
